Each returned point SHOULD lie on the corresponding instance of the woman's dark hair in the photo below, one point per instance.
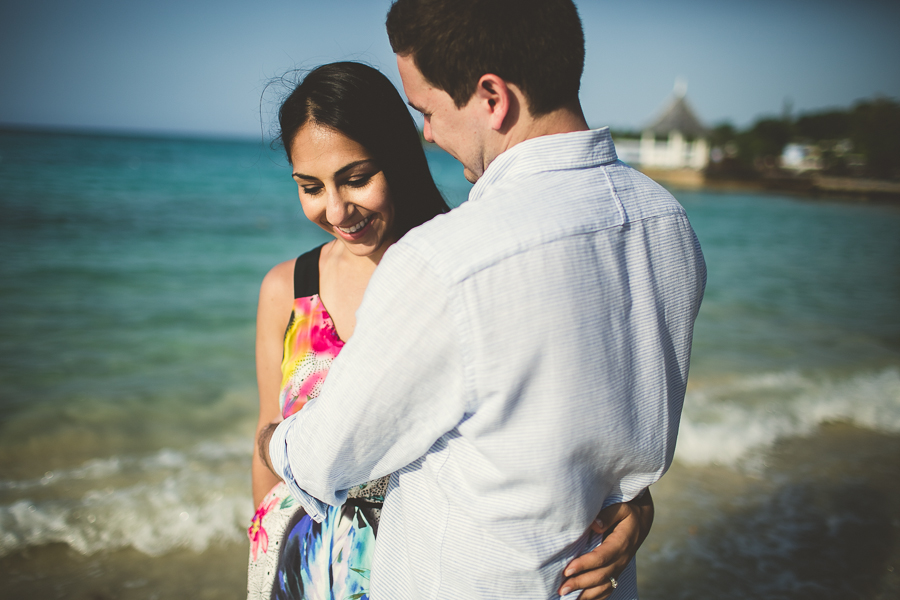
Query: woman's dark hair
(364, 105)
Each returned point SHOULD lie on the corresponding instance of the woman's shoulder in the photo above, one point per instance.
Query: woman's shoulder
(294, 278)
(279, 281)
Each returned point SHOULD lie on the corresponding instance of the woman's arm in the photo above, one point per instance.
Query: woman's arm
(626, 527)
(276, 299)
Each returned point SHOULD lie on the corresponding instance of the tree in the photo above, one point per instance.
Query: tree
(875, 132)
(831, 125)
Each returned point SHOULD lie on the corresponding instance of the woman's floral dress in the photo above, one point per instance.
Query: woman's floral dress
(292, 556)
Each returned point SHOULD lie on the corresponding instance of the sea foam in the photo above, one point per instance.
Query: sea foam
(722, 423)
(154, 504)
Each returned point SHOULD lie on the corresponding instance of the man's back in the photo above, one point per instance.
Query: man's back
(571, 283)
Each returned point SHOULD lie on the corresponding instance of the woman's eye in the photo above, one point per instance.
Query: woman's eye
(311, 190)
(359, 181)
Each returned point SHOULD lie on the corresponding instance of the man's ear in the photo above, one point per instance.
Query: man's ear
(496, 98)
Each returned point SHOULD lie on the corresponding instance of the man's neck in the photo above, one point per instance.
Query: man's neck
(562, 120)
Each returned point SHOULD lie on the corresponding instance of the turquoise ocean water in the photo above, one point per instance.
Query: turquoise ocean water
(128, 282)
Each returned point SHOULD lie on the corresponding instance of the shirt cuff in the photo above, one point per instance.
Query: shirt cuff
(278, 455)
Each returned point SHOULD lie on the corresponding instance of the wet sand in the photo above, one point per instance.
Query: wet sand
(58, 572)
(814, 517)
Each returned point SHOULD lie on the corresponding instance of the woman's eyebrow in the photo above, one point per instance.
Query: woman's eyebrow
(346, 168)
(337, 173)
(302, 176)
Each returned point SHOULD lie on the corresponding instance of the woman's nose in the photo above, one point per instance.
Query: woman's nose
(337, 209)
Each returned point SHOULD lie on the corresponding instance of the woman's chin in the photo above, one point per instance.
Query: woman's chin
(365, 248)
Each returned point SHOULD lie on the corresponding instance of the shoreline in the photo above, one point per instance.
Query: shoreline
(818, 186)
(824, 505)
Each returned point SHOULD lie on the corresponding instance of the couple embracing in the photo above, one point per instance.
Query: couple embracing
(517, 365)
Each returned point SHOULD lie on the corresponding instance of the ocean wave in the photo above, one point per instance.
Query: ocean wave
(190, 499)
(100, 468)
(723, 423)
(172, 500)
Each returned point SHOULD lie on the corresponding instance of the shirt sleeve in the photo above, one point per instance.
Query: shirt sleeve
(395, 389)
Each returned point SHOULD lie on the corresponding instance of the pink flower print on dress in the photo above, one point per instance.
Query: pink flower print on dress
(295, 402)
(323, 337)
(304, 394)
(311, 344)
(259, 539)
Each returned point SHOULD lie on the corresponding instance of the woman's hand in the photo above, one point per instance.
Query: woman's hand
(625, 527)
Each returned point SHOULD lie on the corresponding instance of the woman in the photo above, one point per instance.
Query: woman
(346, 133)
(362, 177)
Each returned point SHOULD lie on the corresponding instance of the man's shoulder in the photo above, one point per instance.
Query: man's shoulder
(535, 208)
(452, 244)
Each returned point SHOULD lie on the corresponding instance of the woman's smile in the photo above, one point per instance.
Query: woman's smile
(355, 229)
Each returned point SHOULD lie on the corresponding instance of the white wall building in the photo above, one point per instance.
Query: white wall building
(675, 140)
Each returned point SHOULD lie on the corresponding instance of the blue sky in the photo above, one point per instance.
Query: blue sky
(200, 66)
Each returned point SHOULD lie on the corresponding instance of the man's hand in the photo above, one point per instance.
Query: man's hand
(262, 444)
(625, 527)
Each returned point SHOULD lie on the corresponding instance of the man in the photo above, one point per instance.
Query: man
(521, 361)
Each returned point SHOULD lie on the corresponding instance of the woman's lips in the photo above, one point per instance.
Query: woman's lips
(357, 230)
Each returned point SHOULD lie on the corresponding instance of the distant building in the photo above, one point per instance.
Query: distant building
(675, 140)
(801, 157)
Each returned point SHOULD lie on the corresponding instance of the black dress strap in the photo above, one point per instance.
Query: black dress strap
(306, 273)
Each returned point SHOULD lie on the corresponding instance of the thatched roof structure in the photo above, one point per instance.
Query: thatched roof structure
(677, 116)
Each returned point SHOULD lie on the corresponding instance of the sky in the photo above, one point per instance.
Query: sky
(202, 66)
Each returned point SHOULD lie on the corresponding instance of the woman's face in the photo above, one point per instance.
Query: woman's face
(342, 189)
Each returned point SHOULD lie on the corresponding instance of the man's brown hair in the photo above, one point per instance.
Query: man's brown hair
(538, 45)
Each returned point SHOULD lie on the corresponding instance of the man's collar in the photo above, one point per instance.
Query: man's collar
(561, 151)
